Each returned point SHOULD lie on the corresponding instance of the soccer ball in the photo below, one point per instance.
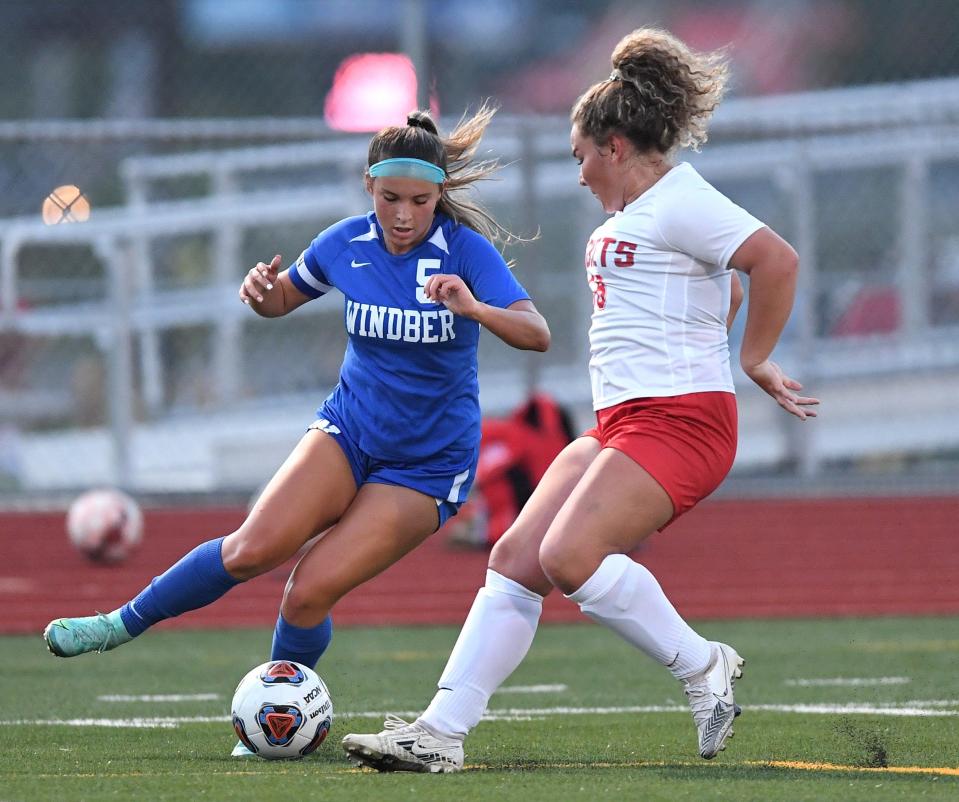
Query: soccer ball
(282, 710)
(105, 525)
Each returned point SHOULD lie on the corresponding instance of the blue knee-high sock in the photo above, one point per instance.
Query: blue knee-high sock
(196, 580)
(302, 645)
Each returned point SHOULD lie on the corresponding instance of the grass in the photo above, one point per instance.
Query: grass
(886, 692)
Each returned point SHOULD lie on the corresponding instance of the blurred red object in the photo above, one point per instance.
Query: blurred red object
(874, 310)
(514, 454)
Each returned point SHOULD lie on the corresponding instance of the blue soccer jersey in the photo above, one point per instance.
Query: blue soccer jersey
(408, 386)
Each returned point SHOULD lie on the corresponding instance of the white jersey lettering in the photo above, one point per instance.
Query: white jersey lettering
(408, 325)
(446, 319)
(376, 321)
(429, 320)
(411, 326)
(393, 320)
(351, 310)
(364, 311)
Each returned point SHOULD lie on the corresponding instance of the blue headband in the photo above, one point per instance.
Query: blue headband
(408, 168)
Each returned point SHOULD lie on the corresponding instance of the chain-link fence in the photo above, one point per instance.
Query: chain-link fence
(125, 356)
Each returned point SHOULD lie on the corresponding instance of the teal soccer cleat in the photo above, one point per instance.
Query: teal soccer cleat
(241, 751)
(68, 637)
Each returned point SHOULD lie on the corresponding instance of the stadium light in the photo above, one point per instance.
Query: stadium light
(371, 91)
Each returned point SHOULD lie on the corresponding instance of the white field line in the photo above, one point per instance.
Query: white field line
(936, 708)
(212, 697)
(928, 703)
(533, 689)
(160, 697)
(849, 682)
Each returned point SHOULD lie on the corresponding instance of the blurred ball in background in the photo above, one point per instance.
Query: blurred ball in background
(66, 204)
(105, 525)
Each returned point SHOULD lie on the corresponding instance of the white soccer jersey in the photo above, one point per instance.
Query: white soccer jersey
(660, 280)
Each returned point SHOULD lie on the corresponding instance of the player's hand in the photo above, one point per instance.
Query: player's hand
(260, 280)
(452, 292)
(770, 377)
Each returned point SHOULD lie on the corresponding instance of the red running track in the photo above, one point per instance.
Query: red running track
(725, 559)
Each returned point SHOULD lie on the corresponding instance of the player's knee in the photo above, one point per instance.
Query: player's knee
(305, 605)
(559, 563)
(518, 561)
(505, 555)
(247, 555)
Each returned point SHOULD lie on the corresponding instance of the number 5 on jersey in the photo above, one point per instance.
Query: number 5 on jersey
(423, 265)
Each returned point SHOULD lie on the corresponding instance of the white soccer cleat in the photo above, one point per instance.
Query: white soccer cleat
(710, 697)
(402, 746)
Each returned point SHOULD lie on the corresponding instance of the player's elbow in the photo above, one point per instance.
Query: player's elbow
(541, 338)
(787, 268)
(528, 331)
(263, 312)
(789, 261)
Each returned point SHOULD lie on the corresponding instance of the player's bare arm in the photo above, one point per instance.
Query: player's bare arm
(519, 325)
(772, 266)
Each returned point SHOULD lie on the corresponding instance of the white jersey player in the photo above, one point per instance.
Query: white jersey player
(665, 433)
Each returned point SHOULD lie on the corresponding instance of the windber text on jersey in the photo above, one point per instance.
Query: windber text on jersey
(408, 325)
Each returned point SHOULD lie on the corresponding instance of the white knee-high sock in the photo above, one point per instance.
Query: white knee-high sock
(494, 640)
(625, 596)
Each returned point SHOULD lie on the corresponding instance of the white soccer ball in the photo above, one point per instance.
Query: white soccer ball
(105, 525)
(282, 710)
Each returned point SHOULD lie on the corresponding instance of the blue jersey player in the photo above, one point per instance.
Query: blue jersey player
(393, 450)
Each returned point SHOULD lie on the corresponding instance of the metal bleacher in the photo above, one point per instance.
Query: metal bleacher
(886, 395)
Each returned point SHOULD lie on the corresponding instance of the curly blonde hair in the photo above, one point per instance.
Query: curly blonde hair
(660, 95)
(420, 139)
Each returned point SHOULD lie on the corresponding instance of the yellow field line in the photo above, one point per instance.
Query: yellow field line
(804, 766)
(777, 764)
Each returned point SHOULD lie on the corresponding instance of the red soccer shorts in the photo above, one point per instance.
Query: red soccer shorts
(687, 443)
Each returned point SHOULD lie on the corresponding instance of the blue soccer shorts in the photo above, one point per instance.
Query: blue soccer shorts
(446, 477)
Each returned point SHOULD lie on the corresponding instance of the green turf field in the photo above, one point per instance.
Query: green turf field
(585, 717)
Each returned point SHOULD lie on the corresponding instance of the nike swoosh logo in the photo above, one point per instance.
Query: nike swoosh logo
(354, 263)
(724, 697)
